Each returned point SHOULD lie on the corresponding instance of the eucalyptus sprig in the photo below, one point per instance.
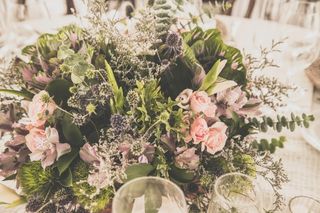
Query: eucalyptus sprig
(281, 122)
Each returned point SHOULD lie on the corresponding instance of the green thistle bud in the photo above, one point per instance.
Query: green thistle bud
(91, 108)
(91, 74)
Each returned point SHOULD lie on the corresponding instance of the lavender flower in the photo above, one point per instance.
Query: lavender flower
(235, 100)
(14, 155)
(187, 158)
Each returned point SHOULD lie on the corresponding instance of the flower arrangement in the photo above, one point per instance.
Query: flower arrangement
(90, 108)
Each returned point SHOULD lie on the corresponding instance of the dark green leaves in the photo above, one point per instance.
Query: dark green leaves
(71, 132)
(59, 90)
(181, 175)
(138, 170)
(264, 145)
(281, 122)
(65, 161)
(66, 178)
(22, 93)
(153, 198)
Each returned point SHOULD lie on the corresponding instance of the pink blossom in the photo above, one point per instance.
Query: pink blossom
(27, 73)
(235, 100)
(199, 130)
(42, 78)
(73, 38)
(45, 146)
(89, 154)
(187, 158)
(216, 138)
(201, 102)
(39, 111)
(234, 65)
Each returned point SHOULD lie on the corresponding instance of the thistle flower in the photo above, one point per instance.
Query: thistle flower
(34, 203)
(50, 208)
(119, 123)
(172, 47)
(133, 98)
(105, 90)
(78, 119)
(63, 196)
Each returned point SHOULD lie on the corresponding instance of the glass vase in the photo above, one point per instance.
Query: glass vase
(236, 193)
(149, 194)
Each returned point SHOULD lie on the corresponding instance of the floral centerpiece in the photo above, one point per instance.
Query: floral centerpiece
(90, 108)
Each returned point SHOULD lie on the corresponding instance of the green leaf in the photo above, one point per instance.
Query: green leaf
(65, 161)
(59, 90)
(153, 199)
(23, 93)
(11, 177)
(138, 170)
(71, 132)
(117, 105)
(220, 85)
(212, 75)
(16, 203)
(181, 175)
(64, 52)
(66, 178)
(112, 80)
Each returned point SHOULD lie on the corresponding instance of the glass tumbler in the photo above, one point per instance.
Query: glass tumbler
(236, 192)
(148, 195)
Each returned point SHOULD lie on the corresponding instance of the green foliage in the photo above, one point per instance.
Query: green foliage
(281, 122)
(59, 90)
(65, 161)
(22, 93)
(138, 170)
(245, 163)
(85, 194)
(181, 175)
(34, 179)
(264, 145)
(71, 132)
(118, 101)
(163, 16)
(201, 50)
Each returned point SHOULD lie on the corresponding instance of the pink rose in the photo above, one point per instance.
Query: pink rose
(45, 146)
(38, 110)
(201, 102)
(199, 130)
(216, 138)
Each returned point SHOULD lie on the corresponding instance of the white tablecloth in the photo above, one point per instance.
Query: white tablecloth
(301, 161)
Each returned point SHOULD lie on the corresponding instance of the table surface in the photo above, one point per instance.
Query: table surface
(301, 161)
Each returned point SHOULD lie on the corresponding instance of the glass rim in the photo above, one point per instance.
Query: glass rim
(302, 196)
(231, 174)
(179, 190)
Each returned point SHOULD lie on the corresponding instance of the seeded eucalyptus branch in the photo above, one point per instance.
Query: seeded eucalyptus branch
(281, 122)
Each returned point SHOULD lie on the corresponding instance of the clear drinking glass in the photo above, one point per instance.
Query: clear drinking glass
(236, 192)
(302, 19)
(149, 194)
(304, 204)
